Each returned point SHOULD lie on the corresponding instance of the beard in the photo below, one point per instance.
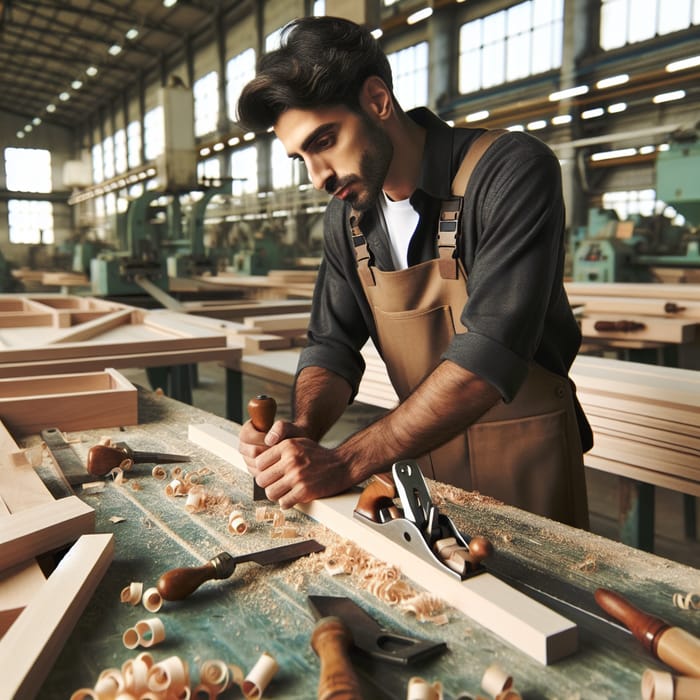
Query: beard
(374, 165)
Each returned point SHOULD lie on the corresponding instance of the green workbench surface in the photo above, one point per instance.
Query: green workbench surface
(265, 608)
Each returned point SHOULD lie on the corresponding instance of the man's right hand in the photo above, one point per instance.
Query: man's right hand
(252, 442)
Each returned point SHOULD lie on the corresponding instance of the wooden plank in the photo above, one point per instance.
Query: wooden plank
(666, 330)
(95, 327)
(522, 622)
(640, 307)
(31, 645)
(671, 292)
(33, 531)
(68, 401)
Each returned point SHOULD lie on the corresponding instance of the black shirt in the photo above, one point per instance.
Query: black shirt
(512, 246)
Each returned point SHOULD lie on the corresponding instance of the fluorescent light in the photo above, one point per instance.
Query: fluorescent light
(668, 96)
(20, 134)
(516, 127)
(91, 71)
(249, 136)
(76, 84)
(664, 147)
(645, 150)
(169, 3)
(592, 113)
(234, 141)
(419, 16)
(114, 50)
(64, 96)
(612, 81)
(619, 153)
(569, 92)
(204, 151)
(132, 33)
(561, 119)
(377, 33)
(51, 107)
(477, 116)
(683, 64)
(218, 146)
(617, 107)
(537, 124)
(28, 127)
(36, 121)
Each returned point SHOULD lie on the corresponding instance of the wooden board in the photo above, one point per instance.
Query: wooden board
(31, 645)
(522, 622)
(67, 401)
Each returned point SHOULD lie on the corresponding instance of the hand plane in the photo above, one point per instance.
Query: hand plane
(417, 524)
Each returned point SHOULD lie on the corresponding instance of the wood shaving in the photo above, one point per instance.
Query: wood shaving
(117, 475)
(237, 524)
(196, 499)
(159, 472)
(117, 519)
(382, 581)
(94, 487)
(284, 532)
(687, 601)
(135, 486)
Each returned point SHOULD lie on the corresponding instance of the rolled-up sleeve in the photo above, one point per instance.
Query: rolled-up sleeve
(513, 236)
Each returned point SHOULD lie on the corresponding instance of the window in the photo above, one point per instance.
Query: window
(154, 133)
(120, 151)
(273, 40)
(244, 170)
(319, 8)
(97, 164)
(239, 70)
(409, 68)
(629, 21)
(206, 104)
(285, 170)
(642, 203)
(30, 222)
(210, 168)
(133, 144)
(108, 156)
(504, 46)
(28, 170)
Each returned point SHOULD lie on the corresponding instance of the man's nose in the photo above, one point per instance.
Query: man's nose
(319, 172)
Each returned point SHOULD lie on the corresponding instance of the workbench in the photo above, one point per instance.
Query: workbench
(265, 609)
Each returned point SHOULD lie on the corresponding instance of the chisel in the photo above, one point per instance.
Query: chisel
(101, 459)
(177, 584)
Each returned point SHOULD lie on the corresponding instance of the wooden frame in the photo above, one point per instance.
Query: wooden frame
(522, 622)
(28, 533)
(79, 401)
(31, 645)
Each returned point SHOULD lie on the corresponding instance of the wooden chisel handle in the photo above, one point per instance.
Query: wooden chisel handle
(331, 640)
(261, 410)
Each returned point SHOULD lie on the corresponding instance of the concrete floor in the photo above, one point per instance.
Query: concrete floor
(603, 489)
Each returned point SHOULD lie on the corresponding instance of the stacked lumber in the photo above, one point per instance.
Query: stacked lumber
(277, 284)
(645, 420)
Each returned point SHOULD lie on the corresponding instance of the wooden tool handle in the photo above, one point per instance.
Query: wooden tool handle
(101, 459)
(646, 628)
(379, 493)
(261, 410)
(331, 640)
(177, 584)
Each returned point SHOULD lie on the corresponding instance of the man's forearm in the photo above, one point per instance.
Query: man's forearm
(320, 398)
(445, 404)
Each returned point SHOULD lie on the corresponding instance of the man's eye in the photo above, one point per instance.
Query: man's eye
(325, 141)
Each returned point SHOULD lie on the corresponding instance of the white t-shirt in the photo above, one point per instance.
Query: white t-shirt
(401, 221)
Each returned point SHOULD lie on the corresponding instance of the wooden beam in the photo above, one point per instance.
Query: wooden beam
(519, 620)
(31, 645)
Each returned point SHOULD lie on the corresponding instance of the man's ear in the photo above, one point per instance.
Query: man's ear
(375, 98)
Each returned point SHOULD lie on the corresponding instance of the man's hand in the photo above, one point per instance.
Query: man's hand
(299, 470)
(252, 442)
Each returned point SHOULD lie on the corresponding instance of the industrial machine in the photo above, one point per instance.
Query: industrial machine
(636, 249)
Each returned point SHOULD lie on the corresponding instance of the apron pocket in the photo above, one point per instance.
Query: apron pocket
(524, 462)
(411, 344)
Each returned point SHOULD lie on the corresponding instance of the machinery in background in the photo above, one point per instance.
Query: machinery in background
(638, 249)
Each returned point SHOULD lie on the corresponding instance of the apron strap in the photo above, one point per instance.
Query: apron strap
(362, 255)
(448, 225)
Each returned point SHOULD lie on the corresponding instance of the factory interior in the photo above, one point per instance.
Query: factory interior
(146, 234)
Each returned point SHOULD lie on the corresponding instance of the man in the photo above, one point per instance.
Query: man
(475, 328)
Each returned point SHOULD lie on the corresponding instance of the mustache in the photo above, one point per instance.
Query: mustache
(333, 184)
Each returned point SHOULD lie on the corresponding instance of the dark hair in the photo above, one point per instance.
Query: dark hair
(321, 62)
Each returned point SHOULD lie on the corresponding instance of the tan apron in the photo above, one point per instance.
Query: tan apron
(526, 453)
